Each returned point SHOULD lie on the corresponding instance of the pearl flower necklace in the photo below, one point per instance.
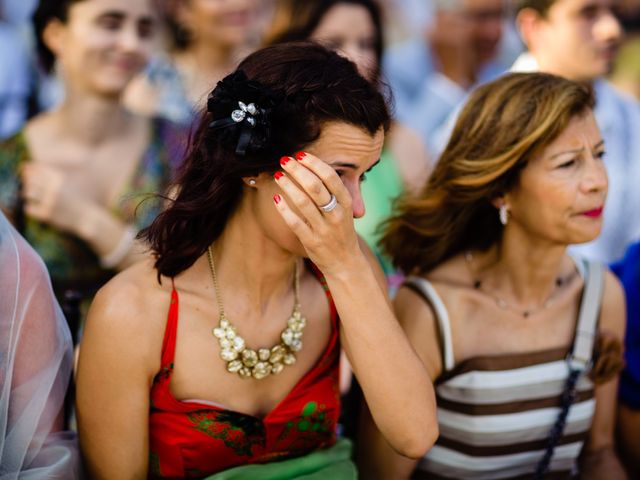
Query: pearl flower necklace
(249, 363)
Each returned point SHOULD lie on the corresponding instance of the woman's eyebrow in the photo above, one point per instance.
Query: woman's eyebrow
(577, 150)
(353, 165)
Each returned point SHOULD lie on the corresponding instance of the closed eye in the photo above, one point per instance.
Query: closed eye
(568, 163)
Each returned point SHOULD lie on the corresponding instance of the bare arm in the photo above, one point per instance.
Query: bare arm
(599, 458)
(118, 357)
(376, 459)
(628, 428)
(391, 374)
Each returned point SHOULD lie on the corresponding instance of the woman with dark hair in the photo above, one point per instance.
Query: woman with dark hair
(354, 29)
(522, 341)
(263, 277)
(72, 179)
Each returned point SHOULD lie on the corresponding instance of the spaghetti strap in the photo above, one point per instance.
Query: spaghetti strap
(332, 306)
(587, 325)
(170, 332)
(425, 289)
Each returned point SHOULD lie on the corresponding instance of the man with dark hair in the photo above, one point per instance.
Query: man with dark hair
(578, 39)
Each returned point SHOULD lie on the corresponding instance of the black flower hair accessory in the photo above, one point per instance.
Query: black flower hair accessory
(243, 108)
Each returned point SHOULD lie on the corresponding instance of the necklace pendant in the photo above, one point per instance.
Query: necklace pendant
(249, 358)
(229, 355)
(277, 354)
(234, 366)
(261, 370)
(249, 363)
(276, 368)
(264, 354)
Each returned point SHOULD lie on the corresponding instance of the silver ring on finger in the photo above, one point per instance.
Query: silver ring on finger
(333, 203)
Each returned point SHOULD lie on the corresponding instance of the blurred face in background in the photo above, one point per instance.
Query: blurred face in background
(577, 39)
(228, 23)
(484, 19)
(349, 29)
(103, 44)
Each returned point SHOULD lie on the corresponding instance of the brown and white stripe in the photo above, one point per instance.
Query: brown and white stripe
(495, 412)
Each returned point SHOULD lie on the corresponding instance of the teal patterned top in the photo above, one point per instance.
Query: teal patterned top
(70, 261)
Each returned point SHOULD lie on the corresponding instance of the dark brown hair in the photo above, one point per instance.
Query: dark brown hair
(46, 11)
(317, 86)
(296, 20)
(503, 125)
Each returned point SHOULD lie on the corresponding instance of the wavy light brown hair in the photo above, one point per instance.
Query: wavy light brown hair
(502, 126)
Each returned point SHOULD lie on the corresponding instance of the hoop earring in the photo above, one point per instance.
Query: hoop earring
(503, 213)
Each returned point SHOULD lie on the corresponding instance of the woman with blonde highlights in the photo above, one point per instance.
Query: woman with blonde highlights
(493, 304)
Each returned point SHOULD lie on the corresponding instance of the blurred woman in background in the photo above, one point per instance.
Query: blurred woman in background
(354, 29)
(72, 179)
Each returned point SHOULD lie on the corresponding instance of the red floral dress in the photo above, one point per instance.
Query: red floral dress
(192, 440)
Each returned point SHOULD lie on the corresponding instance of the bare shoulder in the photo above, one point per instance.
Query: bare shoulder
(411, 307)
(133, 291)
(141, 96)
(129, 314)
(446, 279)
(613, 311)
(417, 316)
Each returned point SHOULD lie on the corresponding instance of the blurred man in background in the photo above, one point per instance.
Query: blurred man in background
(430, 76)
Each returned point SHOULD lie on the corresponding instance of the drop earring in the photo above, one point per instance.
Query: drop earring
(503, 214)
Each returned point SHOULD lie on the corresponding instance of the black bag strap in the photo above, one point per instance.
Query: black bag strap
(580, 358)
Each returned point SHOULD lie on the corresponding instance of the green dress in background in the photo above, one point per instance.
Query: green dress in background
(381, 187)
(70, 261)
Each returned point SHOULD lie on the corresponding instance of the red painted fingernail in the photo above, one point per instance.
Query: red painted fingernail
(277, 198)
(278, 175)
(284, 160)
(300, 155)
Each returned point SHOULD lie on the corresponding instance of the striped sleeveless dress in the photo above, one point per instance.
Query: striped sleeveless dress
(495, 413)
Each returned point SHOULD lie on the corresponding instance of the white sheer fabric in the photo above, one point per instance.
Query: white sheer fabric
(35, 367)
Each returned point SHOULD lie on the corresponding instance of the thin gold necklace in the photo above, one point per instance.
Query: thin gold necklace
(249, 363)
(503, 304)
